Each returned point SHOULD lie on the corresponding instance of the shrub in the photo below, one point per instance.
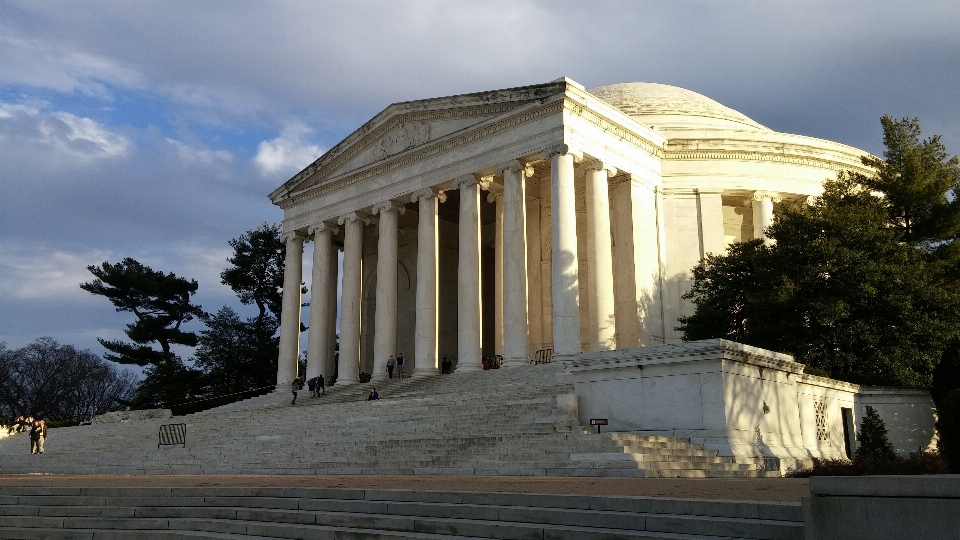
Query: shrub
(874, 446)
(918, 463)
(948, 429)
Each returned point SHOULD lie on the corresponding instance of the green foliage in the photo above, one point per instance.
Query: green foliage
(856, 285)
(946, 376)
(257, 272)
(168, 383)
(919, 183)
(874, 446)
(948, 429)
(238, 355)
(161, 303)
(838, 290)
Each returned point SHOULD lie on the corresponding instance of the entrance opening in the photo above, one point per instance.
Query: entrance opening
(849, 432)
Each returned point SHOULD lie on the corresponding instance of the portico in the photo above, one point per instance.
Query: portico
(546, 217)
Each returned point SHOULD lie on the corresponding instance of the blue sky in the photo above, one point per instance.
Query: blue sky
(156, 129)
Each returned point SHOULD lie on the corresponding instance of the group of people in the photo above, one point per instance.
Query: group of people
(315, 385)
(398, 364)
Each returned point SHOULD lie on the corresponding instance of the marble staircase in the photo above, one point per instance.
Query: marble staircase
(497, 422)
(238, 513)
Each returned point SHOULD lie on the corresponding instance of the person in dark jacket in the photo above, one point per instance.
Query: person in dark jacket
(38, 436)
(373, 395)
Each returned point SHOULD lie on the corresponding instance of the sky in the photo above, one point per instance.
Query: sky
(156, 129)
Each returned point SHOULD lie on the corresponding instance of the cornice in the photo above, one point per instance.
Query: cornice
(828, 164)
(615, 129)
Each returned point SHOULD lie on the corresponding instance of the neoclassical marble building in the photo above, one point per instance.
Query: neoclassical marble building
(541, 217)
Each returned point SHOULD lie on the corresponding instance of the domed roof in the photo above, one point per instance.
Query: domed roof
(673, 108)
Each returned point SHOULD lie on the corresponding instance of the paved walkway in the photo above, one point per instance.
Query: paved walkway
(755, 489)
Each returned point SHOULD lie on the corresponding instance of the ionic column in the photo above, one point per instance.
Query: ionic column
(290, 311)
(425, 337)
(319, 348)
(603, 327)
(515, 322)
(495, 196)
(763, 213)
(563, 253)
(385, 321)
(331, 365)
(349, 368)
(468, 275)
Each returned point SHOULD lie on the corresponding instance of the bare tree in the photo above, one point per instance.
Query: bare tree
(59, 382)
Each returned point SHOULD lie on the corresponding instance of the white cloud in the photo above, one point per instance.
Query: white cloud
(286, 154)
(202, 156)
(75, 136)
(37, 274)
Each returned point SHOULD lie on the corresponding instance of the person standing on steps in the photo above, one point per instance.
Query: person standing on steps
(373, 396)
(38, 436)
(294, 387)
(391, 363)
(320, 389)
(312, 386)
(400, 361)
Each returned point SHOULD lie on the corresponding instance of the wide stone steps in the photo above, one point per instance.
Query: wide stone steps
(505, 421)
(245, 513)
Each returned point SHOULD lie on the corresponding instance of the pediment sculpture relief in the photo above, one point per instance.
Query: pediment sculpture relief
(402, 137)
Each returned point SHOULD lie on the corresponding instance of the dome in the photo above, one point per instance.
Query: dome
(672, 108)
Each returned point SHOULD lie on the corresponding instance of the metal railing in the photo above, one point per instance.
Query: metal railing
(543, 356)
(173, 434)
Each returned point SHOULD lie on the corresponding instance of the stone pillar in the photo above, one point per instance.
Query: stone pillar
(349, 368)
(331, 365)
(763, 213)
(319, 348)
(290, 312)
(425, 336)
(385, 321)
(496, 196)
(468, 275)
(515, 321)
(603, 325)
(563, 254)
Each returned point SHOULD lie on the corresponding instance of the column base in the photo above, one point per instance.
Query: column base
(515, 362)
(461, 368)
(422, 373)
(346, 382)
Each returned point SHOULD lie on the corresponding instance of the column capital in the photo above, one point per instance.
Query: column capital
(386, 206)
(321, 227)
(292, 235)
(560, 150)
(595, 164)
(348, 218)
(469, 180)
(515, 165)
(427, 193)
(495, 192)
(772, 195)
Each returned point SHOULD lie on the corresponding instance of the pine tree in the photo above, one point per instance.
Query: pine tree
(874, 446)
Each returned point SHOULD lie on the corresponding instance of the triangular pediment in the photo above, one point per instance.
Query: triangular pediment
(404, 127)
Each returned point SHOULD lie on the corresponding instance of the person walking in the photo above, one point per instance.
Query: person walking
(400, 362)
(320, 386)
(312, 386)
(391, 363)
(38, 436)
(294, 387)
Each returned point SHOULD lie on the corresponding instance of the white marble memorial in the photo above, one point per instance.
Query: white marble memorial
(514, 224)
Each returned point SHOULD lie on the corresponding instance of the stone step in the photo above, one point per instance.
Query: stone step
(272, 511)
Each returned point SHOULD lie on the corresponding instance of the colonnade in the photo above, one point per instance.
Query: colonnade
(511, 279)
(512, 313)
